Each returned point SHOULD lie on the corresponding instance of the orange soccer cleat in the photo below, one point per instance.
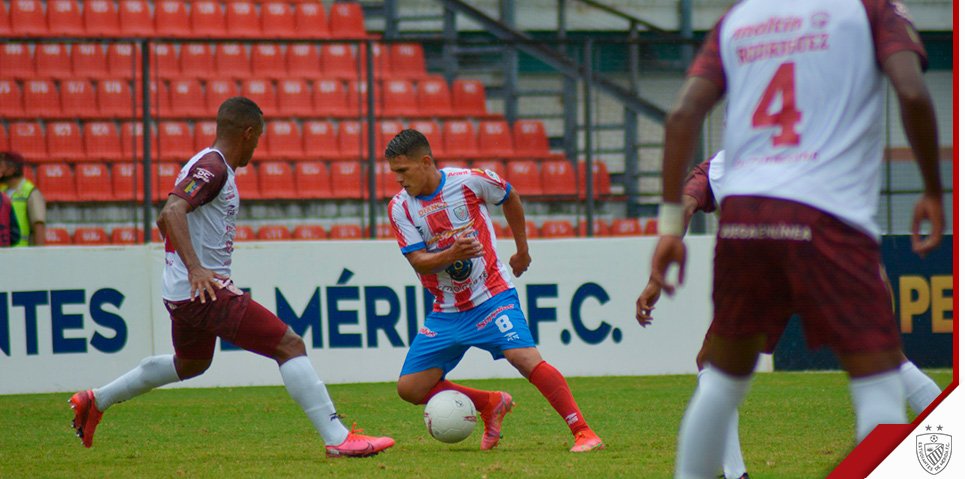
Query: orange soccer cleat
(86, 416)
(493, 419)
(587, 440)
(359, 445)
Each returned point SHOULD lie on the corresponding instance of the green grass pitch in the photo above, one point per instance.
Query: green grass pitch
(792, 425)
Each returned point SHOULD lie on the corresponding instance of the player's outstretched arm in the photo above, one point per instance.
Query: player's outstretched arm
(516, 218)
(173, 223)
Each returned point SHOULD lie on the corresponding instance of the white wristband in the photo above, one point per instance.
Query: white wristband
(670, 221)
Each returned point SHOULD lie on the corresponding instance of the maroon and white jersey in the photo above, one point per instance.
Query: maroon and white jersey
(208, 184)
(432, 222)
(806, 90)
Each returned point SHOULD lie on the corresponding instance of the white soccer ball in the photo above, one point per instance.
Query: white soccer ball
(450, 416)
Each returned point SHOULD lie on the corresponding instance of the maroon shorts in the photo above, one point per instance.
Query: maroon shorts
(776, 257)
(234, 317)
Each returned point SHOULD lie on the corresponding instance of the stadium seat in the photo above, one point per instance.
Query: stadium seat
(64, 18)
(262, 92)
(27, 138)
(381, 61)
(52, 61)
(124, 177)
(387, 129)
(284, 142)
(650, 227)
(91, 236)
(267, 61)
(338, 61)
(400, 99)
(407, 60)
(558, 178)
(352, 139)
(88, 60)
(557, 229)
(132, 139)
(77, 99)
(310, 21)
(294, 98)
(57, 182)
(16, 62)
(246, 179)
(4, 138)
(385, 182)
(529, 139)
(383, 231)
(41, 99)
(346, 179)
(524, 176)
(171, 19)
(175, 142)
(459, 139)
(302, 61)
(468, 98)
(600, 228)
(277, 20)
(430, 129)
(208, 19)
(187, 100)
(495, 139)
(244, 233)
(64, 141)
(274, 233)
(4, 20)
(242, 19)
(93, 182)
(123, 60)
(27, 18)
(433, 97)
(502, 231)
(344, 231)
(320, 140)
(346, 20)
(135, 18)
(11, 99)
(217, 92)
(160, 98)
(358, 97)
(330, 98)
(204, 133)
(197, 61)
(114, 98)
(164, 61)
(532, 231)
(56, 236)
(101, 18)
(126, 235)
(496, 166)
(312, 180)
(165, 179)
(231, 61)
(276, 180)
(626, 227)
(601, 179)
(102, 141)
(309, 232)
(452, 163)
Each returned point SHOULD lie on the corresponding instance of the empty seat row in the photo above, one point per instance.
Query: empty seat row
(203, 61)
(282, 139)
(176, 18)
(189, 98)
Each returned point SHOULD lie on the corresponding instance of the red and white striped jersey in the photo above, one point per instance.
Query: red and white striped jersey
(432, 222)
(806, 93)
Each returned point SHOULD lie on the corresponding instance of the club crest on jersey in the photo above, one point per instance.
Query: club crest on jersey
(934, 451)
(461, 212)
(460, 270)
(203, 175)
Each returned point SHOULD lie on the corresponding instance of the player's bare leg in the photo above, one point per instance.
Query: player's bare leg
(876, 388)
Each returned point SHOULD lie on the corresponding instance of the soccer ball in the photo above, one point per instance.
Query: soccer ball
(450, 416)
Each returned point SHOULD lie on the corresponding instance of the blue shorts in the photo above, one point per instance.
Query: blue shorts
(496, 325)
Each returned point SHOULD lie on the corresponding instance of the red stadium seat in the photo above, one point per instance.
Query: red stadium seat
(164, 61)
(338, 61)
(171, 19)
(408, 60)
(127, 182)
(532, 231)
(77, 99)
(274, 233)
(231, 61)
(204, 133)
(187, 100)
(41, 99)
(197, 61)
(262, 92)
(208, 19)
(346, 20)
(27, 18)
(277, 20)
(102, 141)
(650, 227)
(469, 98)
(430, 129)
(346, 179)
(160, 98)
(459, 138)
(64, 18)
(165, 179)
(320, 140)
(381, 61)
(294, 98)
(27, 138)
(127, 235)
(16, 61)
(558, 178)
(626, 227)
(267, 61)
(242, 19)
(383, 231)
(276, 180)
(114, 99)
(123, 60)
(433, 97)
(385, 181)
(400, 99)
(452, 163)
(217, 92)
(11, 99)
(175, 141)
(64, 141)
(246, 179)
(57, 182)
(330, 98)
(310, 21)
(302, 61)
(524, 176)
(312, 180)
(101, 18)
(91, 236)
(495, 140)
(352, 139)
(557, 229)
(345, 231)
(496, 166)
(529, 138)
(600, 228)
(309, 232)
(601, 179)
(4, 20)
(244, 233)
(52, 61)
(4, 138)
(136, 19)
(358, 97)
(283, 140)
(93, 182)
(55, 236)
(132, 139)
(387, 130)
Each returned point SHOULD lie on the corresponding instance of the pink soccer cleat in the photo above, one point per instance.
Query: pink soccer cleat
(359, 445)
(493, 420)
(586, 441)
(86, 416)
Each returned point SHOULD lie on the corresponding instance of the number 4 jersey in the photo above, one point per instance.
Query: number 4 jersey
(805, 99)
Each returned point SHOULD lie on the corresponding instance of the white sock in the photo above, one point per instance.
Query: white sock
(733, 464)
(700, 447)
(877, 399)
(920, 390)
(154, 371)
(310, 393)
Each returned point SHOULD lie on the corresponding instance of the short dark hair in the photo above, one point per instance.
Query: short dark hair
(238, 113)
(15, 159)
(408, 143)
